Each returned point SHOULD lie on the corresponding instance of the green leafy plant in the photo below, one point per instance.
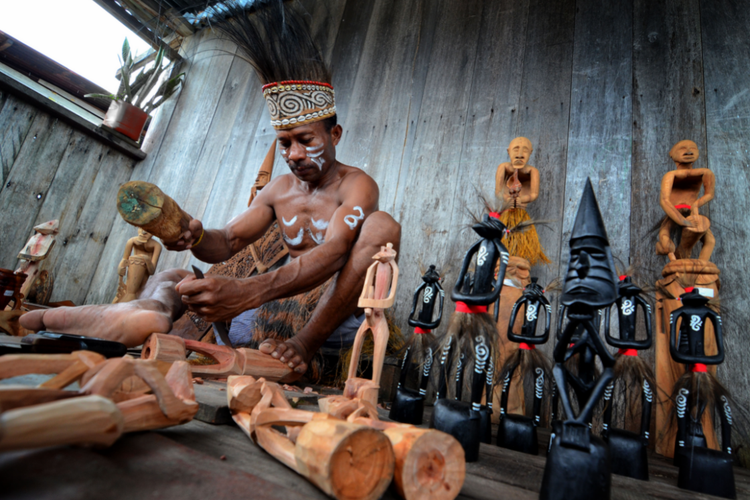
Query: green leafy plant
(137, 89)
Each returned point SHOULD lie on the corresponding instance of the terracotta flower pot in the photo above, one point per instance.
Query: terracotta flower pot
(10, 287)
(126, 119)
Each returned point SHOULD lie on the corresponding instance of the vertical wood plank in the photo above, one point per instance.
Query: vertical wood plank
(431, 190)
(726, 46)
(37, 162)
(668, 106)
(600, 130)
(16, 118)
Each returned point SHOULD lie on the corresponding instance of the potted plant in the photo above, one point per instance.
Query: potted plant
(136, 97)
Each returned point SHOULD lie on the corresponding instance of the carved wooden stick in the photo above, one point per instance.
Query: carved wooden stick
(343, 459)
(86, 420)
(144, 205)
(229, 361)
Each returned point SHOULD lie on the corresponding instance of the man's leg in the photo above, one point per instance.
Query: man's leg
(157, 306)
(340, 299)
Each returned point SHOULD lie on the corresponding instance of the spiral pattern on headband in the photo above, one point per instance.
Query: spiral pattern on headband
(296, 103)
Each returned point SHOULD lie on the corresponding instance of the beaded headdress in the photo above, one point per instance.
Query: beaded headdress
(287, 61)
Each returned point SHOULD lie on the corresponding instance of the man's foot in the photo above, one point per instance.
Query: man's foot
(130, 322)
(291, 351)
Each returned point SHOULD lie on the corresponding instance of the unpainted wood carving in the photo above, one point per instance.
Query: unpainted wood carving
(139, 262)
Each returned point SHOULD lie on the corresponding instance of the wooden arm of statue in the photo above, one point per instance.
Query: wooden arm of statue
(68, 367)
(229, 361)
(343, 459)
(144, 205)
(172, 401)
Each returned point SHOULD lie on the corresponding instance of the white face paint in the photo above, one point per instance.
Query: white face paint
(315, 156)
(294, 241)
(289, 223)
(353, 220)
(283, 151)
(320, 225)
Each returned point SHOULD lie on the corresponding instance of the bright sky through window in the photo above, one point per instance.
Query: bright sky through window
(76, 33)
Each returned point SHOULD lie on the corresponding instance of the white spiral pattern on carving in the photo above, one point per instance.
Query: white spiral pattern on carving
(695, 323)
(428, 294)
(608, 391)
(459, 367)
(427, 363)
(682, 403)
(481, 355)
(727, 410)
(406, 355)
(627, 307)
(446, 349)
(490, 374)
(539, 386)
(506, 382)
(647, 391)
(531, 312)
(482, 255)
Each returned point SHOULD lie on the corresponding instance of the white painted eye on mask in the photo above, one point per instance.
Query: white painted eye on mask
(294, 241)
(353, 220)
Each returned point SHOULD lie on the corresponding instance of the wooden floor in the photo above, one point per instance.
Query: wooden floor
(205, 461)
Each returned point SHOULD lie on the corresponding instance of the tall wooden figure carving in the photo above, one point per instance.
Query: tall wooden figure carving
(34, 252)
(472, 331)
(628, 449)
(408, 406)
(681, 198)
(698, 392)
(139, 262)
(578, 463)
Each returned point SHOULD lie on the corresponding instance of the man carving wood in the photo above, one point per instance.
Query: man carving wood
(680, 199)
(327, 212)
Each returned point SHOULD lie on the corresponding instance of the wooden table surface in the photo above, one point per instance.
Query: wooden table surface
(205, 461)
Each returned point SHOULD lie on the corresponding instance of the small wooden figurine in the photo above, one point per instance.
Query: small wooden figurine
(517, 183)
(472, 333)
(578, 465)
(139, 262)
(680, 200)
(10, 289)
(36, 250)
(518, 432)
(698, 394)
(634, 376)
(408, 406)
(378, 294)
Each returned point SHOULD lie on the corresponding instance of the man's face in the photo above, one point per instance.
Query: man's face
(519, 151)
(309, 150)
(684, 152)
(590, 278)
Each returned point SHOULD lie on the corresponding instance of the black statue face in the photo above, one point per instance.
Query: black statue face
(590, 279)
(431, 276)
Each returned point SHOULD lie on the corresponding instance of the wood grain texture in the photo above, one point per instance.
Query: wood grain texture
(668, 106)
(725, 48)
(16, 118)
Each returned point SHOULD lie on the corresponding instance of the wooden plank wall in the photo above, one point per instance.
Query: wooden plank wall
(430, 93)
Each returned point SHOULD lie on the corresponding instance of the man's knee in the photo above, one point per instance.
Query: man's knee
(380, 228)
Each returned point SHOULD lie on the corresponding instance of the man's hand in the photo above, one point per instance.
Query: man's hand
(215, 298)
(188, 238)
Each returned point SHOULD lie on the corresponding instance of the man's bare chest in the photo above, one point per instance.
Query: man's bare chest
(304, 221)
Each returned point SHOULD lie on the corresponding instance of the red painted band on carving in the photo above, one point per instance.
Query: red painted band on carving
(463, 307)
(628, 352)
(682, 206)
(699, 367)
(421, 330)
(528, 347)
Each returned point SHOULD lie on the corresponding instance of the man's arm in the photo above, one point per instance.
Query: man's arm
(533, 187)
(216, 299)
(219, 245)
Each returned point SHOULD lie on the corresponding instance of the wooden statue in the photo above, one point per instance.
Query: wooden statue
(680, 199)
(49, 416)
(139, 262)
(229, 361)
(36, 250)
(428, 463)
(144, 205)
(343, 459)
(10, 289)
(517, 184)
(378, 294)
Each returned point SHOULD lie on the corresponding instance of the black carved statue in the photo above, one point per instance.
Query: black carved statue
(518, 432)
(578, 464)
(472, 334)
(628, 450)
(696, 393)
(408, 406)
